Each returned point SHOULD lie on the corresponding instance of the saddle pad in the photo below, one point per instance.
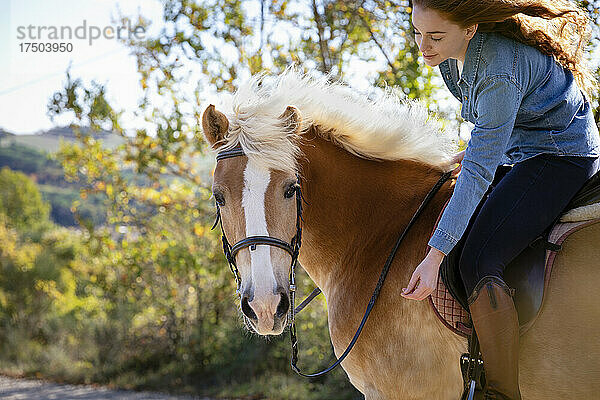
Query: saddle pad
(458, 320)
(584, 213)
(449, 311)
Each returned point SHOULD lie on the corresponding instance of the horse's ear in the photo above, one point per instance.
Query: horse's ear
(291, 119)
(215, 126)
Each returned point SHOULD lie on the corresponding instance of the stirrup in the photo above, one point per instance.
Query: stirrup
(471, 365)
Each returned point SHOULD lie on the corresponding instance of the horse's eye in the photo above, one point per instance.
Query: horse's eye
(219, 199)
(291, 190)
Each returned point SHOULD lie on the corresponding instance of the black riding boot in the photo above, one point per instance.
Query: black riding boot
(497, 325)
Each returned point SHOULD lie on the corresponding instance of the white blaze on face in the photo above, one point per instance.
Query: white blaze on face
(264, 304)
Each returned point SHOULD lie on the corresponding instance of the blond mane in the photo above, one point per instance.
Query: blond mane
(383, 129)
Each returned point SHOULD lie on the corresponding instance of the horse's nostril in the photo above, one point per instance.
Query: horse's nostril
(247, 310)
(283, 307)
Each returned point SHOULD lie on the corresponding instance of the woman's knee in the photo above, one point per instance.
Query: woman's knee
(475, 262)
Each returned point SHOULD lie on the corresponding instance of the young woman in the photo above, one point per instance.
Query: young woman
(519, 71)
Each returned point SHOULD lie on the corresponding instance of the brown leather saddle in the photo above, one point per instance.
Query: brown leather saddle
(528, 273)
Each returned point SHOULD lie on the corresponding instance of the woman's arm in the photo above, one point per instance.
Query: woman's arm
(496, 106)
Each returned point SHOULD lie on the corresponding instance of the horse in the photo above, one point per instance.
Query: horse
(365, 166)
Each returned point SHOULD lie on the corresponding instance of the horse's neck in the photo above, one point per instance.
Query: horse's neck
(356, 210)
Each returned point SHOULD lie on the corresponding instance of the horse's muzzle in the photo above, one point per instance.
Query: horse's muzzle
(267, 315)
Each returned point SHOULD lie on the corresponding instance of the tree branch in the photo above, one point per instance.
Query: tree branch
(389, 61)
(326, 67)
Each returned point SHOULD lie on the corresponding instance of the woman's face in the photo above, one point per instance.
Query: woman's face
(438, 38)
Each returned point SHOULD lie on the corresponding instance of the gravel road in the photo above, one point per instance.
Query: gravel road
(21, 389)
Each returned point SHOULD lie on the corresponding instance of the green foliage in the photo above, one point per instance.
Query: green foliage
(21, 202)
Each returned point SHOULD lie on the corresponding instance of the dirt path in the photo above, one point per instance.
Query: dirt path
(21, 389)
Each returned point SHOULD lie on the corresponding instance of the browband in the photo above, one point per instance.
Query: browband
(236, 151)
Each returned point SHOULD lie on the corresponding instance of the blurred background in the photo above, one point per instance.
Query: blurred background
(109, 271)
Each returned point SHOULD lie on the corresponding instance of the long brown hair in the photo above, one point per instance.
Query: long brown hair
(556, 27)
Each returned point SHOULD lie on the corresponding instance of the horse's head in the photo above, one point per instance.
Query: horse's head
(256, 201)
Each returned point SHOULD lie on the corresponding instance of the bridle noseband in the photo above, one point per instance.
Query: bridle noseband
(294, 248)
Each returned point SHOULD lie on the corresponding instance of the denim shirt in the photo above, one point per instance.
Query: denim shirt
(522, 104)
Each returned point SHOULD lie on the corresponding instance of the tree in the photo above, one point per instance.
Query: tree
(21, 202)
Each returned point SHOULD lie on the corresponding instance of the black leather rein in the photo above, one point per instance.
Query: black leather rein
(294, 249)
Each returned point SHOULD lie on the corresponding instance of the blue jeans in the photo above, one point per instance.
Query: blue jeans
(521, 205)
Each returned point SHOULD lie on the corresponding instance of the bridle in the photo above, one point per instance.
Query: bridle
(294, 248)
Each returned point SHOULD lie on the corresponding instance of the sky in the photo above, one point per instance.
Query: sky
(28, 80)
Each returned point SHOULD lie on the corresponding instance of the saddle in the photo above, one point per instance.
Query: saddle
(529, 273)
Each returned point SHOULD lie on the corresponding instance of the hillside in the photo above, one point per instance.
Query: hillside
(48, 175)
(49, 141)
(30, 154)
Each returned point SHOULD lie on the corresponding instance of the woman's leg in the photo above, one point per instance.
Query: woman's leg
(521, 206)
(525, 202)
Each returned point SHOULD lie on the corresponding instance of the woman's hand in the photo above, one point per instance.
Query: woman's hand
(424, 280)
